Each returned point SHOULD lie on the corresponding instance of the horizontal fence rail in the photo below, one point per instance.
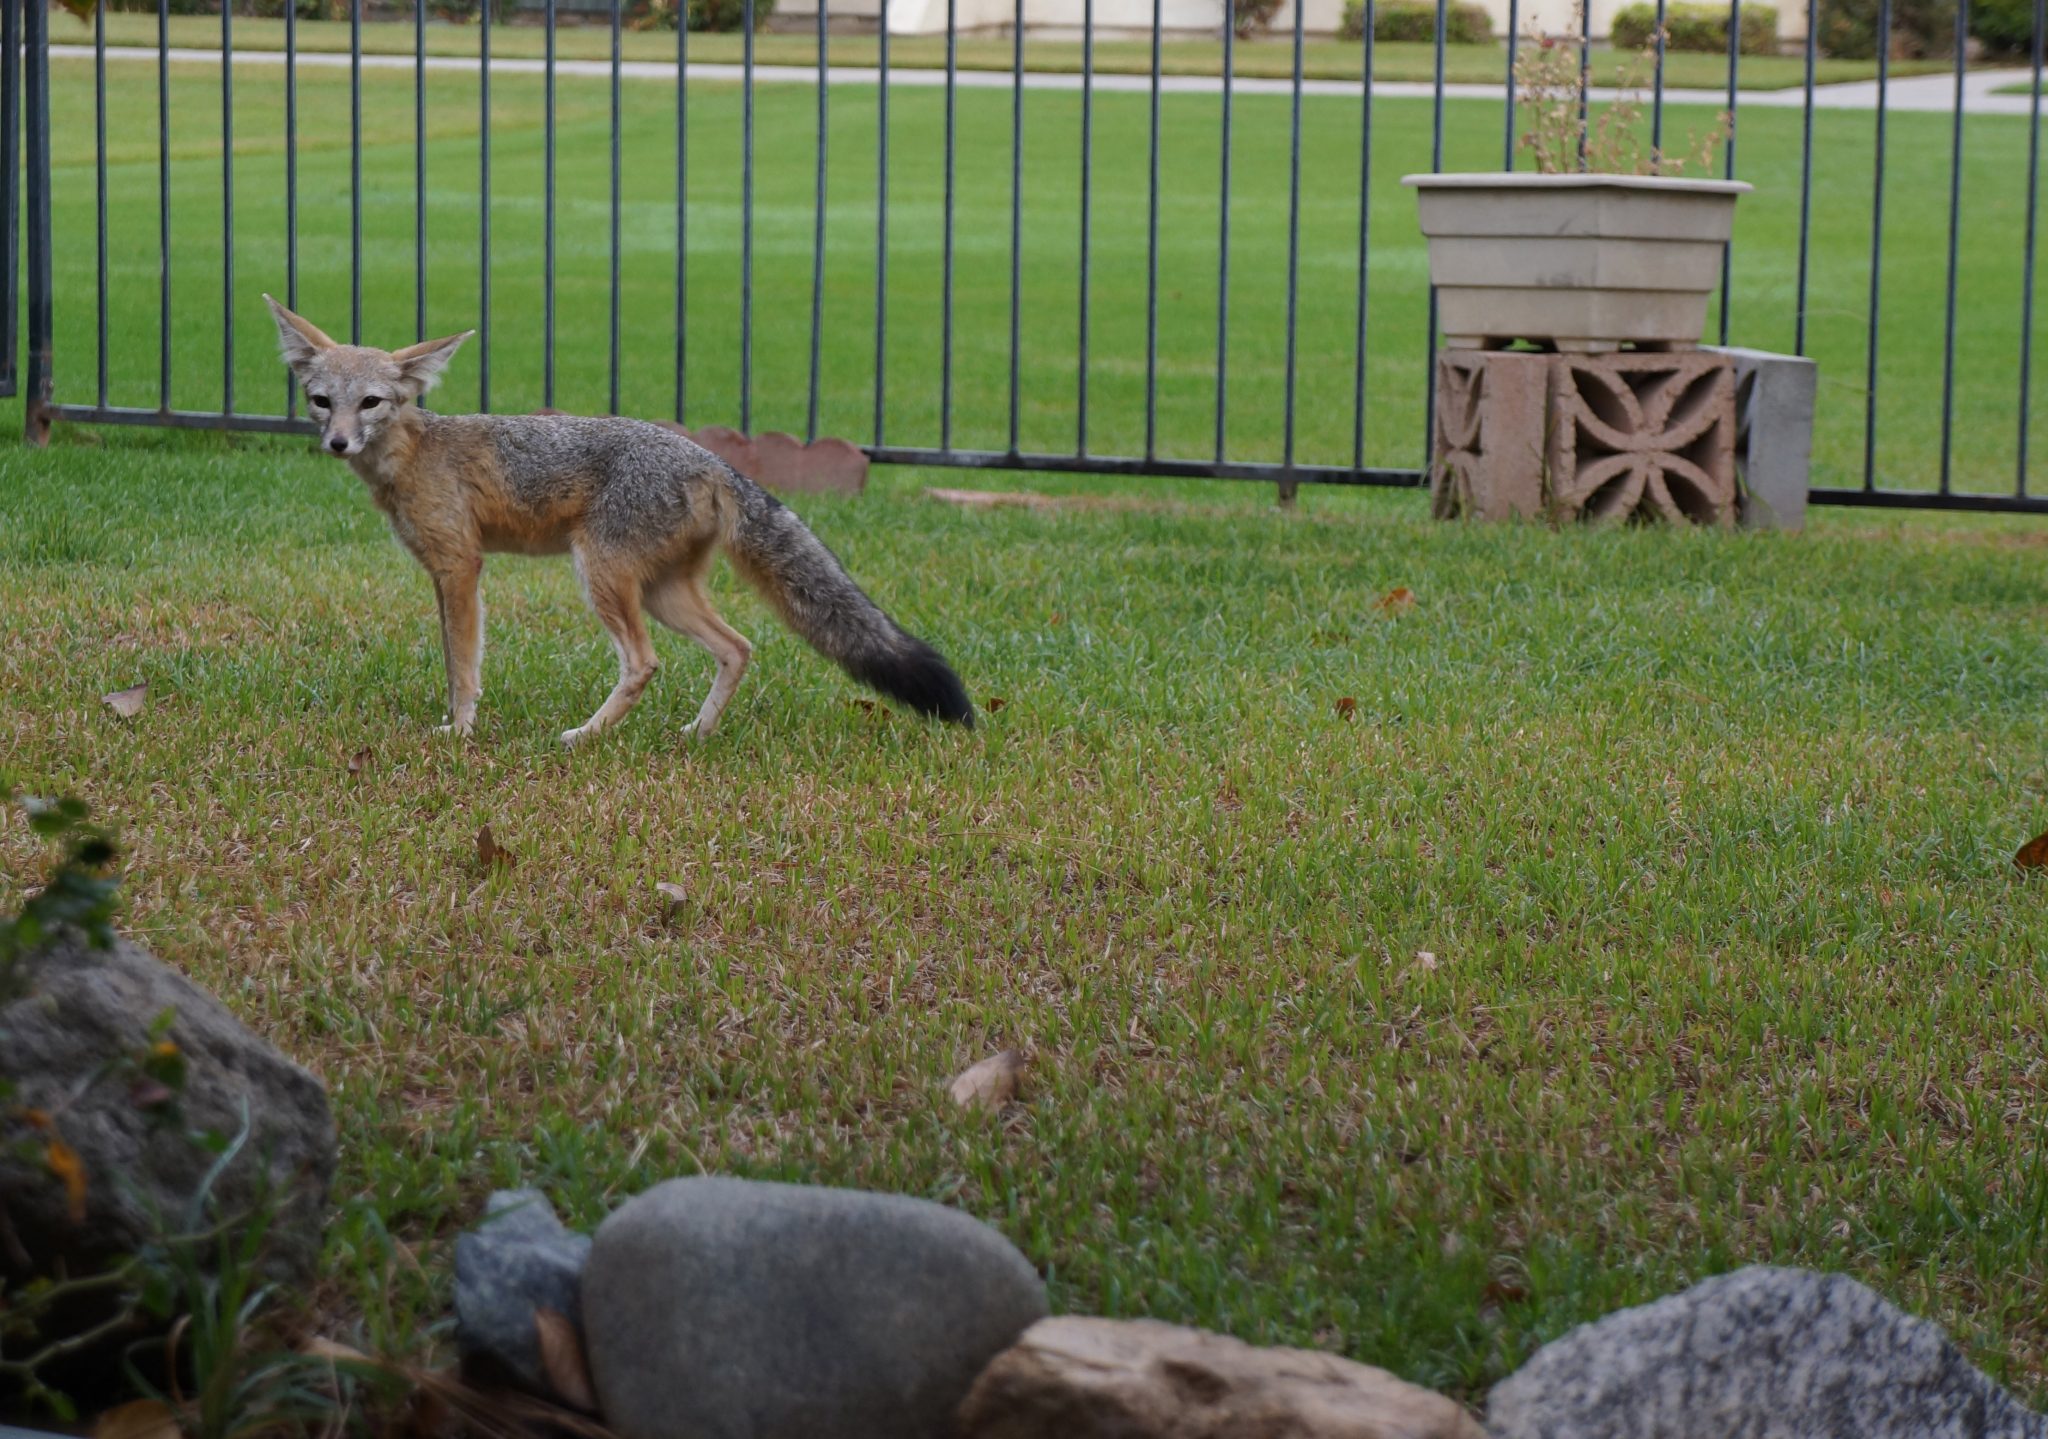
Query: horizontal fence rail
(984, 264)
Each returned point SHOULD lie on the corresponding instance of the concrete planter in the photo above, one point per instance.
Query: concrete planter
(1587, 262)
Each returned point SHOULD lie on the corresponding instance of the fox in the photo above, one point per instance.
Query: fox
(640, 510)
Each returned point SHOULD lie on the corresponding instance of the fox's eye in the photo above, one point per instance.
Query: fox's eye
(370, 402)
(320, 401)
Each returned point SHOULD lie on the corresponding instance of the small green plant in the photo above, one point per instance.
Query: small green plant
(79, 893)
(1414, 22)
(1698, 28)
(1565, 135)
(1249, 17)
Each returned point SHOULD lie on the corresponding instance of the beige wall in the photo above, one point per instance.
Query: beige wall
(1320, 17)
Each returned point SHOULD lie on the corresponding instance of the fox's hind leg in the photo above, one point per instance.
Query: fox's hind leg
(678, 600)
(615, 596)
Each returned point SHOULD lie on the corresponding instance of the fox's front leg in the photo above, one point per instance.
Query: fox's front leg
(462, 644)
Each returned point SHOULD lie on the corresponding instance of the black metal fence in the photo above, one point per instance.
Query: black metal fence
(1024, 383)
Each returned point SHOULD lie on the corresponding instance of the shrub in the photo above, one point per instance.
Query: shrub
(1415, 21)
(1694, 27)
(1920, 29)
(1252, 16)
(2005, 26)
(722, 15)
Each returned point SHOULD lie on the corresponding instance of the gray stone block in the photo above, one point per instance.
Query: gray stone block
(519, 1260)
(1774, 399)
(1762, 1353)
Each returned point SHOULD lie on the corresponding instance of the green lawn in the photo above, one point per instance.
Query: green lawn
(1652, 914)
(1270, 56)
(1765, 266)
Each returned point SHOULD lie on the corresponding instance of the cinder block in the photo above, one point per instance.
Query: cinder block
(1570, 436)
(1649, 435)
(1490, 409)
(1774, 400)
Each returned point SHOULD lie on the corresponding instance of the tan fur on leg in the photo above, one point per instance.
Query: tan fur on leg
(678, 601)
(616, 600)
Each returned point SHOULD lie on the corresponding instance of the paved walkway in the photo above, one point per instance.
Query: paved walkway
(1918, 92)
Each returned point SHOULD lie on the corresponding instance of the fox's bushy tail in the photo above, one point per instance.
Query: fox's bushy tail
(810, 589)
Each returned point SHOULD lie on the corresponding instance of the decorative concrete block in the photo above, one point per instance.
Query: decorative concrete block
(1774, 400)
(1650, 435)
(1570, 436)
(1491, 408)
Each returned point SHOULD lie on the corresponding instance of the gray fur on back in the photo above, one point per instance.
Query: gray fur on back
(1763, 1353)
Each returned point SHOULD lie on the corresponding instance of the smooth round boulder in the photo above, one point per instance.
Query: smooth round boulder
(719, 1308)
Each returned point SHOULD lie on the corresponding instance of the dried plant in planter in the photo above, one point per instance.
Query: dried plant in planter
(1567, 139)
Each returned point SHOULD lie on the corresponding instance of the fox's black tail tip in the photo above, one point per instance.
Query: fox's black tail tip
(917, 675)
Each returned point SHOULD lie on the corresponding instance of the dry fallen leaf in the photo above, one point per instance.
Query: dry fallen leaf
(869, 705)
(63, 1161)
(320, 1347)
(561, 1357)
(1398, 599)
(489, 852)
(1424, 958)
(360, 760)
(1347, 706)
(127, 703)
(140, 1419)
(672, 892)
(990, 1084)
(993, 703)
(2033, 854)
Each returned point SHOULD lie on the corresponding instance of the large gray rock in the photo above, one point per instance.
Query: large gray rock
(723, 1309)
(518, 1261)
(62, 1043)
(1761, 1353)
(1073, 1378)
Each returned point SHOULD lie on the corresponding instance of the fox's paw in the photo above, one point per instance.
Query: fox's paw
(455, 731)
(579, 735)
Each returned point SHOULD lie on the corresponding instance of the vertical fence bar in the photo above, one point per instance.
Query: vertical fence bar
(1087, 198)
(2027, 263)
(1806, 176)
(1955, 218)
(419, 163)
(882, 231)
(163, 203)
(547, 221)
(36, 97)
(1223, 229)
(1507, 151)
(10, 201)
(1436, 162)
(747, 224)
(1585, 66)
(355, 167)
(1884, 53)
(1293, 259)
(818, 226)
(683, 201)
(612, 400)
(1728, 153)
(483, 319)
(1016, 207)
(1365, 225)
(1152, 258)
(99, 129)
(291, 183)
(227, 208)
(946, 263)
(1657, 81)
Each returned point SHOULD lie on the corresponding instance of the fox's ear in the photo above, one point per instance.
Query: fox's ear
(420, 365)
(300, 339)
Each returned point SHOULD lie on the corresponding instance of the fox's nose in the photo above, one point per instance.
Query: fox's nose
(337, 444)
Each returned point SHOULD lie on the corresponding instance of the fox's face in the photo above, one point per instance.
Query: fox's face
(354, 392)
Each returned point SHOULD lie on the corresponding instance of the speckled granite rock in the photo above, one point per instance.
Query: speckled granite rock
(519, 1259)
(1762, 1353)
